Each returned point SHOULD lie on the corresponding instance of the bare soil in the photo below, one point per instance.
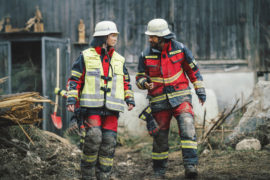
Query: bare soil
(52, 157)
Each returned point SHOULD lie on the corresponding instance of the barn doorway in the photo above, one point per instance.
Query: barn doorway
(26, 66)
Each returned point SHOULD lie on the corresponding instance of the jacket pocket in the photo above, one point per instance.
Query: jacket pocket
(153, 66)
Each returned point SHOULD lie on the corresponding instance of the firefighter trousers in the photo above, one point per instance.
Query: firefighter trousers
(99, 147)
(184, 116)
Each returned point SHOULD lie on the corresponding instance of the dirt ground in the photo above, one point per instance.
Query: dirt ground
(53, 157)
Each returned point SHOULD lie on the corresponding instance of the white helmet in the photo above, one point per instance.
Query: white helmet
(157, 27)
(105, 28)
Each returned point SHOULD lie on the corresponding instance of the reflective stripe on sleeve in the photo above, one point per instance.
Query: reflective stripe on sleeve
(76, 74)
(198, 84)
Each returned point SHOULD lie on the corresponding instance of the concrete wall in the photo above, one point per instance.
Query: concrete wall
(222, 90)
(229, 86)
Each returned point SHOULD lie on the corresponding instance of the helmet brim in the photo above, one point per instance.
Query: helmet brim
(105, 33)
(159, 34)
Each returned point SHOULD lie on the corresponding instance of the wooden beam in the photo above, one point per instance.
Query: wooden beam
(218, 62)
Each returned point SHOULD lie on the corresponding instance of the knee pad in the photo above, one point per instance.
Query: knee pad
(186, 126)
(92, 140)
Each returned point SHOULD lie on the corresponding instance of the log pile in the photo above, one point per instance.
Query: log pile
(21, 108)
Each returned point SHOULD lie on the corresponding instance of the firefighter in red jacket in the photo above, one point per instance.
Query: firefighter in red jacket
(165, 69)
(100, 81)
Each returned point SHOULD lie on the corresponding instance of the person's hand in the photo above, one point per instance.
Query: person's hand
(71, 107)
(149, 86)
(130, 107)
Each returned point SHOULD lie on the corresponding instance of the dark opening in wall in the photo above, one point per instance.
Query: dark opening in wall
(26, 66)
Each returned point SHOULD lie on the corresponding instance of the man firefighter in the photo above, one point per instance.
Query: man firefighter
(164, 69)
(100, 81)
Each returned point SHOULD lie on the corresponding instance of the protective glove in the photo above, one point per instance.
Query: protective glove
(151, 124)
(201, 94)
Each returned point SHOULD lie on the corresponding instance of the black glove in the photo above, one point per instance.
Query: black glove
(151, 124)
(201, 94)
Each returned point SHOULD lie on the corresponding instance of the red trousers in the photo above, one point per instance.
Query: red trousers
(105, 122)
(163, 118)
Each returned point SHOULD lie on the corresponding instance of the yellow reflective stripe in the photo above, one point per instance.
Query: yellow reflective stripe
(198, 84)
(140, 74)
(158, 98)
(72, 93)
(91, 99)
(175, 52)
(89, 158)
(189, 147)
(126, 77)
(148, 110)
(76, 73)
(178, 93)
(82, 140)
(167, 80)
(151, 57)
(142, 117)
(170, 95)
(159, 156)
(189, 144)
(191, 65)
(129, 93)
(106, 161)
(63, 92)
(188, 141)
(141, 80)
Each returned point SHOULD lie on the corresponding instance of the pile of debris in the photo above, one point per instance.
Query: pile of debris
(22, 108)
(255, 122)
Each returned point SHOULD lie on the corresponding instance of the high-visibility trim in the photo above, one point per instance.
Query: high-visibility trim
(167, 80)
(175, 52)
(141, 80)
(73, 93)
(89, 158)
(76, 74)
(115, 104)
(187, 144)
(191, 65)
(82, 140)
(129, 93)
(198, 84)
(142, 116)
(92, 93)
(148, 110)
(63, 93)
(160, 156)
(140, 74)
(105, 161)
(151, 57)
(91, 102)
(92, 96)
(126, 77)
(170, 95)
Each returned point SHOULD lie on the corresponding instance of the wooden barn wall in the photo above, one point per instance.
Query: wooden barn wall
(212, 29)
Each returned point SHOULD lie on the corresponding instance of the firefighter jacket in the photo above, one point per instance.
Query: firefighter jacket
(170, 71)
(99, 80)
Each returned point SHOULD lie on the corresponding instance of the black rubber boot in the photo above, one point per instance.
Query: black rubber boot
(191, 171)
